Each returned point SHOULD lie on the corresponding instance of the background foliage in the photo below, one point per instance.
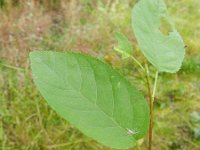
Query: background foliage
(27, 122)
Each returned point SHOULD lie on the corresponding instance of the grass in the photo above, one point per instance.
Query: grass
(27, 122)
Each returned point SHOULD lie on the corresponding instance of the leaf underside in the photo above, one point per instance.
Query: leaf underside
(165, 52)
(92, 96)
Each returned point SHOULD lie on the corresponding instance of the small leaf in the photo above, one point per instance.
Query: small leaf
(165, 52)
(124, 45)
(92, 96)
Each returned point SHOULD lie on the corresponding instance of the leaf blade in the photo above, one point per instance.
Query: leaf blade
(165, 52)
(91, 96)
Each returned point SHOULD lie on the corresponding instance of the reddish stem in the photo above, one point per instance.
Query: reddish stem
(151, 111)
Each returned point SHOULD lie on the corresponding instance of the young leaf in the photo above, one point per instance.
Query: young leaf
(124, 45)
(165, 52)
(91, 96)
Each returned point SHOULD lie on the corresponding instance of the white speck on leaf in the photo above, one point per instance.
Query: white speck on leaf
(131, 132)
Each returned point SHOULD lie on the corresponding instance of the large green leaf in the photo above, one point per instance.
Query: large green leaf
(165, 52)
(92, 96)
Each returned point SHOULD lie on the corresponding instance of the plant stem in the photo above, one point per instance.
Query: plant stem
(150, 107)
(150, 95)
(154, 87)
(137, 62)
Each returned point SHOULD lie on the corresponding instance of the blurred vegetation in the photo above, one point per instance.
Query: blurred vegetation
(87, 26)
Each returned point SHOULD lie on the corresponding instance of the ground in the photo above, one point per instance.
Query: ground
(27, 122)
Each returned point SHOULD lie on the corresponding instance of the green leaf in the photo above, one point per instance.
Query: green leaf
(91, 96)
(165, 52)
(124, 45)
